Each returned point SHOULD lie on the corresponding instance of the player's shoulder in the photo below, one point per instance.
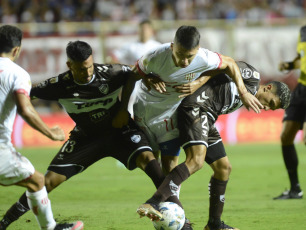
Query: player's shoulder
(247, 70)
(108, 70)
(159, 54)
(16, 69)
(62, 79)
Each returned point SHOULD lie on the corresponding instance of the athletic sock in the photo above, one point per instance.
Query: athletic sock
(41, 206)
(154, 171)
(291, 162)
(170, 184)
(17, 210)
(216, 201)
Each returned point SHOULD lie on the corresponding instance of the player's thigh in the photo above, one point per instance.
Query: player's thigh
(289, 131)
(127, 144)
(77, 154)
(13, 166)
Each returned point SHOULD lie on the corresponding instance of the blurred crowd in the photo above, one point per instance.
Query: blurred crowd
(22, 11)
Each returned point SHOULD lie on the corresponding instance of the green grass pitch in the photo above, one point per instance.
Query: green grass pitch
(106, 196)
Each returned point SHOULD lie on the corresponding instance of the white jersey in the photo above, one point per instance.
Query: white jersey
(13, 79)
(155, 111)
(131, 52)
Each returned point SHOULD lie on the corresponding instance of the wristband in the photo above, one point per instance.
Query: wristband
(290, 65)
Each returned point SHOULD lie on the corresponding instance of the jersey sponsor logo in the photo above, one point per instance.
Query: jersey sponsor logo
(102, 68)
(190, 76)
(104, 88)
(125, 68)
(202, 97)
(83, 105)
(136, 138)
(90, 104)
(53, 80)
(246, 73)
(195, 112)
(98, 116)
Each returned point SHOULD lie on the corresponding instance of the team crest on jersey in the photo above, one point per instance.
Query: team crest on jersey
(53, 80)
(104, 88)
(246, 73)
(189, 76)
(136, 138)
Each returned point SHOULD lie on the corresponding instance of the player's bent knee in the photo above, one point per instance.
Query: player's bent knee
(36, 182)
(143, 159)
(52, 180)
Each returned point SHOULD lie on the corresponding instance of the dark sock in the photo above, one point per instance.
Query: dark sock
(216, 201)
(154, 171)
(170, 184)
(17, 210)
(291, 162)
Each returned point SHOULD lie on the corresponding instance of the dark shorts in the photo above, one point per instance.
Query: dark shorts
(197, 128)
(297, 108)
(81, 151)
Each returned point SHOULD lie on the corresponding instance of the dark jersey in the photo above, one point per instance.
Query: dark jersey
(220, 94)
(91, 105)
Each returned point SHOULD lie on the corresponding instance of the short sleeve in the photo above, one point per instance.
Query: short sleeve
(22, 83)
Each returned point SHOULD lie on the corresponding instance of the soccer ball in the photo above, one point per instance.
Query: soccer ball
(173, 217)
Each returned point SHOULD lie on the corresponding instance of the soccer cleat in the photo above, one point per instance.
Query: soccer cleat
(78, 225)
(223, 226)
(4, 223)
(289, 194)
(187, 225)
(150, 211)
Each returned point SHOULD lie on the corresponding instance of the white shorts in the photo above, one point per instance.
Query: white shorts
(13, 166)
(158, 123)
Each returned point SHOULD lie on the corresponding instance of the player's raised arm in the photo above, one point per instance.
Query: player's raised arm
(231, 68)
(28, 113)
(122, 117)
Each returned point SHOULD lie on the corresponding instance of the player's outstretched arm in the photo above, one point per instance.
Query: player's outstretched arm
(295, 64)
(122, 117)
(28, 113)
(232, 70)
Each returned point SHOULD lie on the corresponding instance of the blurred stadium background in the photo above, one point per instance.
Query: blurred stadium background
(260, 32)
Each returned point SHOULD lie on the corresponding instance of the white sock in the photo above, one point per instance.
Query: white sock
(41, 206)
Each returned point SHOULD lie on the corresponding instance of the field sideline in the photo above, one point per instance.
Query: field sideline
(106, 196)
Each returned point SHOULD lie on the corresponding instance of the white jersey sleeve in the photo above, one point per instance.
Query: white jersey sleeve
(13, 79)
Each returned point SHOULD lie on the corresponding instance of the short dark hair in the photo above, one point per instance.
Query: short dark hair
(78, 51)
(188, 37)
(145, 21)
(10, 37)
(283, 92)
